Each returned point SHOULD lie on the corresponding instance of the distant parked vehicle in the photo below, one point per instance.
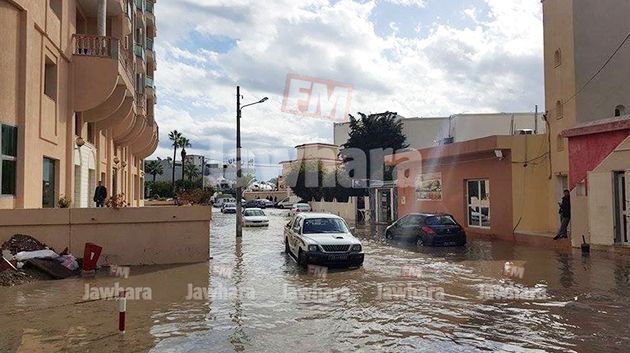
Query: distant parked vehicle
(299, 208)
(428, 229)
(288, 202)
(254, 204)
(267, 203)
(221, 200)
(228, 207)
(255, 217)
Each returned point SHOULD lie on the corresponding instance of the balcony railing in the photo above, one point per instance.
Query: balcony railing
(149, 7)
(140, 5)
(138, 50)
(90, 45)
(148, 82)
(150, 44)
(140, 100)
(103, 47)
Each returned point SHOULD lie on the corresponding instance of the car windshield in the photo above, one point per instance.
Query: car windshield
(302, 206)
(440, 221)
(230, 205)
(324, 225)
(253, 213)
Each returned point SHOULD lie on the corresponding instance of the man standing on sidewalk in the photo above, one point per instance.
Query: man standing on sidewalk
(565, 215)
(100, 194)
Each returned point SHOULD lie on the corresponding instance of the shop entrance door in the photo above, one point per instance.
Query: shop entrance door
(621, 181)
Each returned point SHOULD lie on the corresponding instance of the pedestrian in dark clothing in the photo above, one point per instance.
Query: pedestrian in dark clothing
(565, 215)
(100, 194)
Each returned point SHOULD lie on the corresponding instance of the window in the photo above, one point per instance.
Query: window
(8, 154)
(90, 133)
(77, 124)
(557, 58)
(49, 181)
(50, 79)
(478, 199)
(620, 110)
(57, 7)
(559, 109)
(560, 143)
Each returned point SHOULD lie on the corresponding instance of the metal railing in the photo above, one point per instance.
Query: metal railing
(149, 7)
(138, 50)
(99, 46)
(140, 5)
(103, 47)
(150, 44)
(148, 82)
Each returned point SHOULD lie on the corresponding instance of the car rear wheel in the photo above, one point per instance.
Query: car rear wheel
(420, 242)
(388, 234)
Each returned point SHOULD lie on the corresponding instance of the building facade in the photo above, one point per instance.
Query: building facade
(432, 131)
(310, 154)
(587, 62)
(76, 100)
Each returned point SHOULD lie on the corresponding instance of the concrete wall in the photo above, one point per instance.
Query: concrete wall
(345, 210)
(600, 26)
(129, 236)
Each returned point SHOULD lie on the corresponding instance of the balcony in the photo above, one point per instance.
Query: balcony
(149, 15)
(141, 5)
(149, 87)
(98, 63)
(149, 52)
(138, 50)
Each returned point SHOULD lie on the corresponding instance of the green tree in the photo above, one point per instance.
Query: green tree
(153, 168)
(183, 143)
(374, 132)
(174, 136)
(191, 171)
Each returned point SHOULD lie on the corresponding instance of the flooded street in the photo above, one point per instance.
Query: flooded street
(254, 298)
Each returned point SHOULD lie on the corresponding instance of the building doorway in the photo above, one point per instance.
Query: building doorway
(621, 208)
(49, 183)
(385, 201)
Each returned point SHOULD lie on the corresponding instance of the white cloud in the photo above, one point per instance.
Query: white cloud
(416, 3)
(496, 65)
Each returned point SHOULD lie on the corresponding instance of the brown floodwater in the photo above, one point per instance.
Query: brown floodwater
(253, 298)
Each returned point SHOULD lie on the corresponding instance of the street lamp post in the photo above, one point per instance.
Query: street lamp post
(239, 182)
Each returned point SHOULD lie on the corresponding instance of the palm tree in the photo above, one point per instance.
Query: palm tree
(154, 168)
(174, 136)
(183, 143)
(192, 171)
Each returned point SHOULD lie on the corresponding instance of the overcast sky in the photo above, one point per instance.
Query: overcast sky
(414, 57)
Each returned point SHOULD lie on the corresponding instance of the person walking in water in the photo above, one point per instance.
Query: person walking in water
(100, 194)
(565, 215)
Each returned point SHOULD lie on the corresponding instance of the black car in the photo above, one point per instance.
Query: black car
(432, 229)
(255, 204)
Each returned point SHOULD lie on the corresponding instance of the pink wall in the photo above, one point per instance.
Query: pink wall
(586, 152)
(455, 172)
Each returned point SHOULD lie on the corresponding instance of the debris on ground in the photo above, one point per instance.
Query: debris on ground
(22, 242)
(26, 259)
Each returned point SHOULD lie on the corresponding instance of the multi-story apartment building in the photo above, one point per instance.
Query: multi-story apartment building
(587, 64)
(76, 100)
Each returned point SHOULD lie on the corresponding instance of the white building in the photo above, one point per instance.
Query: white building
(426, 132)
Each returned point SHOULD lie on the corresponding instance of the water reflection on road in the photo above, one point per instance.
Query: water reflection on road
(254, 298)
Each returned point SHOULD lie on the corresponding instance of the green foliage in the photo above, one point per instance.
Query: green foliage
(153, 168)
(381, 131)
(158, 189)
(328, 186)
(191, 171)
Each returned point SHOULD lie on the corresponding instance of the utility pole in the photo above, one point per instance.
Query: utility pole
(239, 190)
(239, 172)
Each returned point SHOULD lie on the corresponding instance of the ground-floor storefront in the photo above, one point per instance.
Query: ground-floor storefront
(599, 178)
(495, 186)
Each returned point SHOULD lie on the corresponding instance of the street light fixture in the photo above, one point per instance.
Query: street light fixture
(239, 183)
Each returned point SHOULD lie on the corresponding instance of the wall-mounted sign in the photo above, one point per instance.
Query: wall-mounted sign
(429, 187)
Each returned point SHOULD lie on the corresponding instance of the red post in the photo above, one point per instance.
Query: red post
(122, 309)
